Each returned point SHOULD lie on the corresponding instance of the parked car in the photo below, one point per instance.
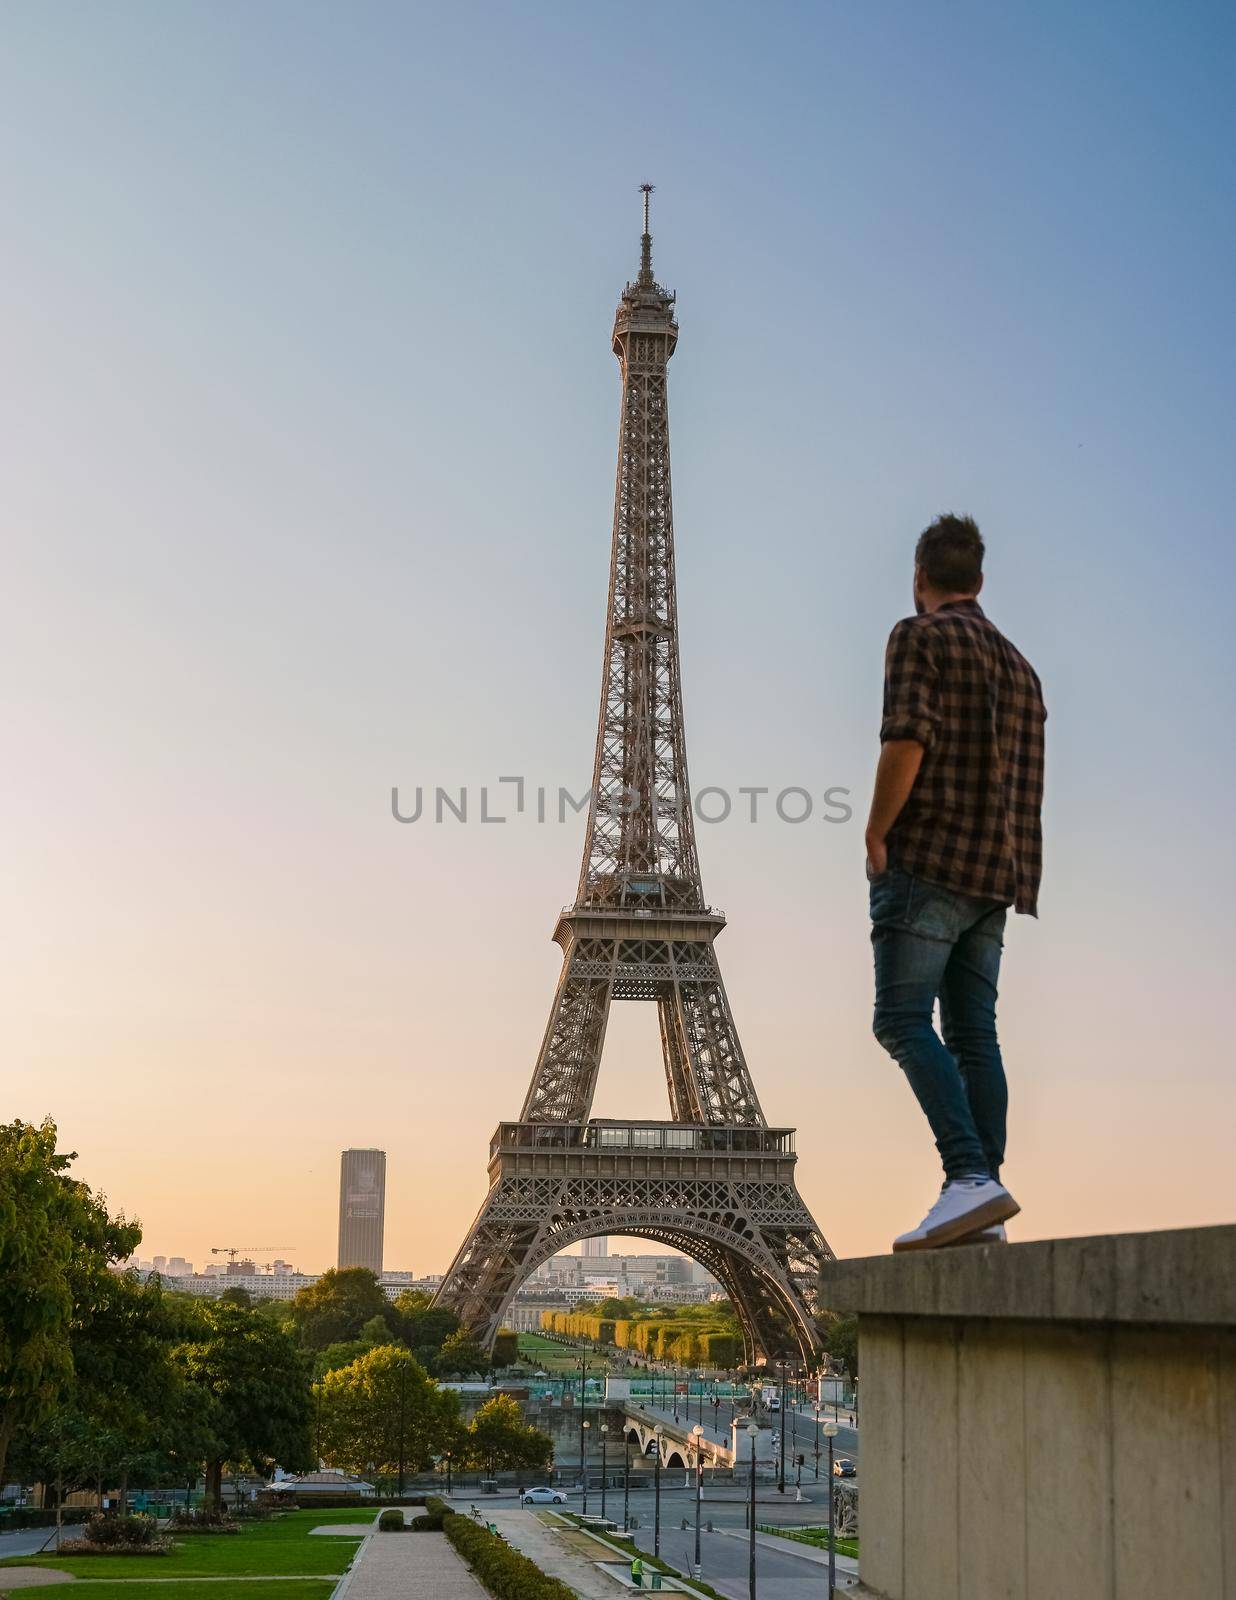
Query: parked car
(843, 1467)
(544, 1497)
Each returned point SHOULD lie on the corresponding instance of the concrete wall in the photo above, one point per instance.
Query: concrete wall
(1040, 1457)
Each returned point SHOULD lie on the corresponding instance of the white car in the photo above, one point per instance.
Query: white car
(544, 1497)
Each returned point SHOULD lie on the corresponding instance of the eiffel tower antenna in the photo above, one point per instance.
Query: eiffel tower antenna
(714, 1181)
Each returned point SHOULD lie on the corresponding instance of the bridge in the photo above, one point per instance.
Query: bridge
(677, 1444)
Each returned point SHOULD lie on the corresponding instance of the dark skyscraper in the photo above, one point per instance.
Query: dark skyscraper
(362, 1208)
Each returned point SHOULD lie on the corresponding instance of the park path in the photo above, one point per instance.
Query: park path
(418, 1566)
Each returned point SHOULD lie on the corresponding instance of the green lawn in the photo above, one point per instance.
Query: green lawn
(237, 1589)
(816, 1536)
(283, 1546)
(557, 1359)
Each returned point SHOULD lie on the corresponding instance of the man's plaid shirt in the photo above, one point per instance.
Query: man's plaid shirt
(955, 684)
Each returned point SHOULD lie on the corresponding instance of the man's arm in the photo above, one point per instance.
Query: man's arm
(907, 731)
(898, 767)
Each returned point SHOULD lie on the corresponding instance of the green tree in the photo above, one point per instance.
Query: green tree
(841, 1342)
(56, 1244)
(384, 1414)
(126, 1381)
(256, 1384)
(409, 1301)
(461, 1356)
(498, 1437)
(342, 1354)
(506, 1348)
(338, 1306)
(237, 1295)
(279, 1312)
(423, 1326)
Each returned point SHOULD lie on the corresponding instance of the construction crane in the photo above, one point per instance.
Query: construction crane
(231, 1251)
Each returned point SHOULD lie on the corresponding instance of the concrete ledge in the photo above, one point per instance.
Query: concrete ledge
(1048, 1421)
(1183, 1276)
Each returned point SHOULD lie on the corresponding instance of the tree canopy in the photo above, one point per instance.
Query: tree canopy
(57, 1242)
(338, 1306)
(498, 1437)
(103, 1376)
(257, 1385)
(383, 1413)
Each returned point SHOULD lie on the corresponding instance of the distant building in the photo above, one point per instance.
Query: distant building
(394, 1282)
(309, 1484)
(260, 1285)
(665, 1276)
(596, 1247)
(362, 1208)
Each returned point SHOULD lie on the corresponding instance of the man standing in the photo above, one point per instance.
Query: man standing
(953, 839)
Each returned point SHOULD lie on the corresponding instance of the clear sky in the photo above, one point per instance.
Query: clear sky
(307, 450)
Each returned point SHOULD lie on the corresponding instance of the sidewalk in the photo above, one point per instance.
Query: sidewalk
(558, 1549)
(410, 1566)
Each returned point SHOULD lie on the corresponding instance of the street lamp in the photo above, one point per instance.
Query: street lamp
(817, 1439)
(656, 1477)
(697, 1433)
(830, 1433)
(626, 1481)
(583, 1395)
(604, 1432)
(753, 1432)
(583, 1460)
(781, 1455)
(403, 1423)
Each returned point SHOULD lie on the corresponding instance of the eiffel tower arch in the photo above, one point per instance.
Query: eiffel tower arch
(714, 1180)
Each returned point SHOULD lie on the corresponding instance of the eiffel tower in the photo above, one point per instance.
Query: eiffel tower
(714, 1181)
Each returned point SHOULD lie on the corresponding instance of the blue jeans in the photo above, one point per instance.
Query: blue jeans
(931, 943)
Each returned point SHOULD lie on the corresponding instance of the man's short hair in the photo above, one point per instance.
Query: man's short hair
(950, 553)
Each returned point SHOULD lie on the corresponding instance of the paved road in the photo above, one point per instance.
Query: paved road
(782, 1573)
(31, 1540)
(726, 1507)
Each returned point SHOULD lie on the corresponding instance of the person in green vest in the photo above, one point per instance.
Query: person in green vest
(637, 1571)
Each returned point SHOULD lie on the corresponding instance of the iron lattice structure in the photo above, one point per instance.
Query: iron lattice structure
(715, 1181)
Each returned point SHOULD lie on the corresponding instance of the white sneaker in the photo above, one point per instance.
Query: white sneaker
(994, 1235)
(965, 1206)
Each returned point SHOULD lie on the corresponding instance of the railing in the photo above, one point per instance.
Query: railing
(676, 1138)
(634, 909)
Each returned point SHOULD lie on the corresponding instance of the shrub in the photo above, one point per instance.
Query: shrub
(435, 1511)
(201, 1519)
(253, 1511)
(503, 1571)
(108, 1531)
(120, 1536)
(391, 1521)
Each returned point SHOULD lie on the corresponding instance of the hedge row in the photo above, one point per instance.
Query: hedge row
(689, 1340)
(503, 1571)
(31, 1517)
